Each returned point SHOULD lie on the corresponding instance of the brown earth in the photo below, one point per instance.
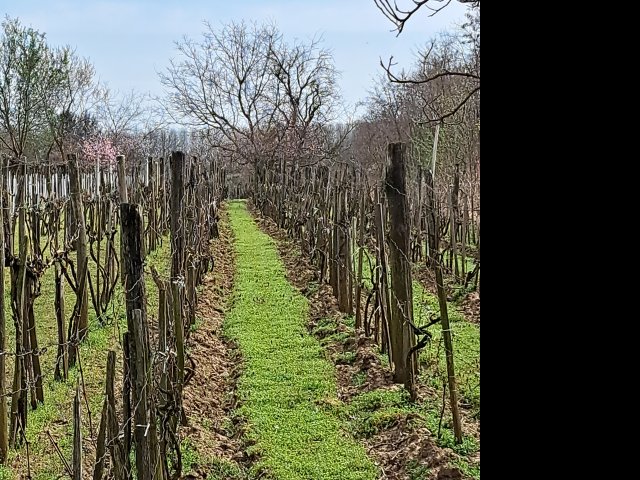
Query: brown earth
(209, 397)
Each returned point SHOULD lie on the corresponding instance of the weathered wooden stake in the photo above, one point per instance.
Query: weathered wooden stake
(177, 221)
(126, 402)
(122, 179)
(4, 440)
(19, 396)
(116, 445)
(77, 437)
(401, 296)
(80, 228)
(361, 222)
(98, 466)
(444, 320)
(148, 464)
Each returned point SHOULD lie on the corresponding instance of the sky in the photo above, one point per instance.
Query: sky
(128, 42)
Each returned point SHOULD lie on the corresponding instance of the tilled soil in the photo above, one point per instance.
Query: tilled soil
(209, 397)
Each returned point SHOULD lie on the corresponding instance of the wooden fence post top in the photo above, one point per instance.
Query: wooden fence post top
(395, 167)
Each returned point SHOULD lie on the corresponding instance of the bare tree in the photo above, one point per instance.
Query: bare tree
(123, 115)
(307, 78)
(75, 95)
(222, 84)
(452, 61)
(256, 96)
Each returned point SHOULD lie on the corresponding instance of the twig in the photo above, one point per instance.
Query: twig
(64, 460)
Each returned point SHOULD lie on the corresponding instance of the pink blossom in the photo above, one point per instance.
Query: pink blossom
(98, 149)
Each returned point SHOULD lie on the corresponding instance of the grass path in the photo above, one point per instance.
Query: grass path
(286, 382)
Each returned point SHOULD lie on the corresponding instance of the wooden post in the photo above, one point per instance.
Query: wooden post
(162, 194)
(333, 238)
(144, 429)
(78, 214)
(122, 179)
(176, 294)
(62, 359)
(446, 327)
(153, 206)
(124, 198)
(101, 445)
(400, 333)
(77, 436)
(126, 402)
(4, 441)
(165, 393)
(383, 282)
(343, 254)
(362, 219)
(177, 222)
(178, 265)
(19, 396)
(116, 447)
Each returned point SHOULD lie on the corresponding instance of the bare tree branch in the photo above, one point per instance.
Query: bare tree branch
(400, 16)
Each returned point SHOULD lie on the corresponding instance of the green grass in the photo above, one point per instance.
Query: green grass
(372, 412)
(466, 347)
(466, 344)
(217, 468)
(375, 411)
(285, 376)
(224, 470)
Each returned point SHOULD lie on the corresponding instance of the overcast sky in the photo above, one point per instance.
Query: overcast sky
(129, 41)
